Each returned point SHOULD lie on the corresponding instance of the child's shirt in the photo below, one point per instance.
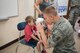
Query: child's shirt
(29, 30)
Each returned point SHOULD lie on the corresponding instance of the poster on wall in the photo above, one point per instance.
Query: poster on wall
(62, 7)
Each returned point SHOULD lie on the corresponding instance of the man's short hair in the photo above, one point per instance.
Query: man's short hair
(50, 10)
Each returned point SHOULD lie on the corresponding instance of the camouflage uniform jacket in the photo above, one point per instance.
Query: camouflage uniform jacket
(62, 37)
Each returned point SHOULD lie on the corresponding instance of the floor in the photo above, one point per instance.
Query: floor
(27, 49)
(21, 49)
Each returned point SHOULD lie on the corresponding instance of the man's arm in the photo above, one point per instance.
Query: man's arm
(56, 37)
(43, 36)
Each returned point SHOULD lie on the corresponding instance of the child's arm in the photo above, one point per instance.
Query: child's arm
(34, 37)
(37, 33)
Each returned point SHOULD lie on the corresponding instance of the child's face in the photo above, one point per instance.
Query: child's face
(32, 23)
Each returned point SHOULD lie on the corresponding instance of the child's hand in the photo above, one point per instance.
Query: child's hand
(40, 41)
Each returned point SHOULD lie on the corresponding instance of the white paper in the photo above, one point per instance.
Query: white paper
(62, 7)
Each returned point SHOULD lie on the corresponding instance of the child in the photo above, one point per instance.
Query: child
(31, 32)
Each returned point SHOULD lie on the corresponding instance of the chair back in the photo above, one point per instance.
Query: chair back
(21, 26)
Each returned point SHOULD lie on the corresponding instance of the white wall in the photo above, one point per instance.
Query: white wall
(8, 28)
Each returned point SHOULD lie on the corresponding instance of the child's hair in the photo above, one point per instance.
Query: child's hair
(28, 19)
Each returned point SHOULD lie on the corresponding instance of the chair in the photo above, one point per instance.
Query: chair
(21, 27)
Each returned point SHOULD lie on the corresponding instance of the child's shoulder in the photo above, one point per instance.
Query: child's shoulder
(27, 26)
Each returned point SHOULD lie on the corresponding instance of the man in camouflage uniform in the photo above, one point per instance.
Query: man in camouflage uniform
(61, 38)
(74, 11)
